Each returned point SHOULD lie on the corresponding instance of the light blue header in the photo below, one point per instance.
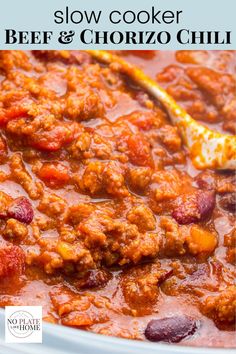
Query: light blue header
(121, 24)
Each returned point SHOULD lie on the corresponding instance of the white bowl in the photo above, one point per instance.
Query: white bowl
(59, 339)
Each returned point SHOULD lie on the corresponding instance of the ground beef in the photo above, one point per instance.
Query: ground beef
(222, 307)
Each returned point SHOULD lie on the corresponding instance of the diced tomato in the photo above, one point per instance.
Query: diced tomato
(139, 150)
(142, 120)
(9, 114)
(54, 174)
(12, 261)
(54, 139)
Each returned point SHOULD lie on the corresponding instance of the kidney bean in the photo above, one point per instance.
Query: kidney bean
(194, 207)
(206, 180)
(228, 202)
(170, 329)
(21, 210)
(205, 203)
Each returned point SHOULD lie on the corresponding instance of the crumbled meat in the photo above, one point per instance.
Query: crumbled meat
(52, 205)
(80, 310)
(140, 177)
(221, 307)
(143, 217)
(5, 201)
(174, 239)
(100, 176)
(170, 138)
(113, 178)
(140, 287)
(165, 186)
(21, 175)
(122, 242)
(78, 212)
(15, 230)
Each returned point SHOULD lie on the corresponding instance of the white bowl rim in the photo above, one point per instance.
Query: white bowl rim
(60, 339)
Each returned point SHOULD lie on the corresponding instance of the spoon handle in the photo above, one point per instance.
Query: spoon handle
(207, 148)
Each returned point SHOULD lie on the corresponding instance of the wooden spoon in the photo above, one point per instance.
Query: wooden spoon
(207, 148)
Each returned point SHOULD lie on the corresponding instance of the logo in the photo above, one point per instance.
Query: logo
(23, 324)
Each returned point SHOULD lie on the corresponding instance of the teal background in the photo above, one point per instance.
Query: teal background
(202, 15)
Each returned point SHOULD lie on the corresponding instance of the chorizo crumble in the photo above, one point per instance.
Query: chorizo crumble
(102, 216)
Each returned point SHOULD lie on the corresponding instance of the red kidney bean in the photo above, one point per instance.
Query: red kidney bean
(170, 329)
(228, 202)
(21, 210)
(194, 207)
(206, 180)
(206, 203)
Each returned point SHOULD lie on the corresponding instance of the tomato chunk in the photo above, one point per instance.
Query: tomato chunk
(142, 120)
(6, 115)
(139, 150)
(12, 261)
(54, 139)
(54, 174)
